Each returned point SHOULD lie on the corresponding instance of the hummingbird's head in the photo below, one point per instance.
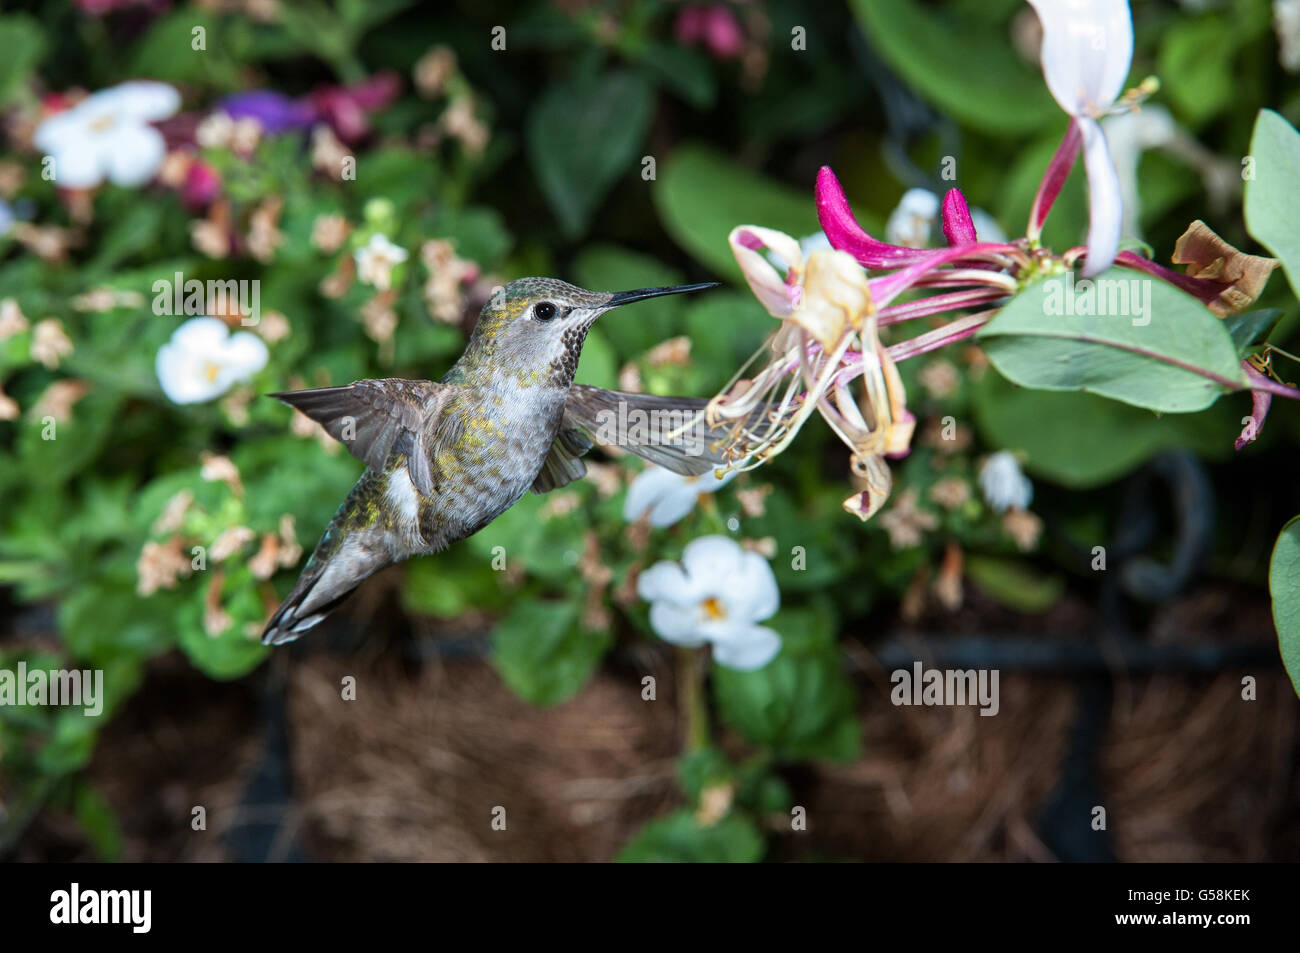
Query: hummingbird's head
(536, 327)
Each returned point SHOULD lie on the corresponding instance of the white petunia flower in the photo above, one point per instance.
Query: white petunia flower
(1286, 20)
(203, 360)
(107, 135)
(1087, 51)
(717, 594)
(376, 260)
(1003, 484)
(668, 496)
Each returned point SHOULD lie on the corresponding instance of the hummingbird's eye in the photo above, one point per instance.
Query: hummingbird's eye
(544, 311)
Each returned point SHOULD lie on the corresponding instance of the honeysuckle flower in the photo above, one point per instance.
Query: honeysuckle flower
(107, 135)
(203, 360)
(376, 260)
(1004, 485)
(717, 595)
(667, 496)
(1260, 400)
(1086, 53)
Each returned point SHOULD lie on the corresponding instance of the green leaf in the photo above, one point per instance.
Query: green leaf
(1272, 202)
(1147, 344)
(801, 704)
(99, 822)
(583, 135)
(23, 43)
(1081, 440)
(964, 65)
(1284, 584)
(680, 838)
(702, 195)
(1014, 582)
(542, 652)
(1251, 328)
(445, 587)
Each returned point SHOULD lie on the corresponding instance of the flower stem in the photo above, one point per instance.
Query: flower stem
(690, 687)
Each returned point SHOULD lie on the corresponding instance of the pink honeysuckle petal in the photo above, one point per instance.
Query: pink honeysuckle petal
(1058, 170)
(1087, 51)
(1203, 289)
(1105, 201)
(1259, 404)
(938, 304)
(888, 287)
(956, 330)
(958, 228)
(844, 232)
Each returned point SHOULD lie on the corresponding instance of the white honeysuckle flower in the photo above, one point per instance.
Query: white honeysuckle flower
(668, 496)
(107, 135)
(1003, 484)
(1086, 54)
(717, 595)
(376, 260)
(203, 360)
(911, 223)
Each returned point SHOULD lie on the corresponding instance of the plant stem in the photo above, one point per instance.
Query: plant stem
(690, 687)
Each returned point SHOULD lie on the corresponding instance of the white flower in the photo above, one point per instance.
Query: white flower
(107, 135)
(910, 224)
(717, 594)
(668, 496)
(203, 360)
(1286, 20)
(376, 259)
(6, 217)
(1087, 51)
(1004, 486)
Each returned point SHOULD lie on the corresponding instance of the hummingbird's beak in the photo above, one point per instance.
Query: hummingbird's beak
(627, 297)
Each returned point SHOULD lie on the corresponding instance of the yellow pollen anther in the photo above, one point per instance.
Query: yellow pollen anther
(713, 610)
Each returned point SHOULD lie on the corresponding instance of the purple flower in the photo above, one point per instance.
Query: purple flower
(276, 112)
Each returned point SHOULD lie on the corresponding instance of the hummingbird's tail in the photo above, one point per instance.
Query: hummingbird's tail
(346, 556)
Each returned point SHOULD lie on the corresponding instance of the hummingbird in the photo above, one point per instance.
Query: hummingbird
(444, 459)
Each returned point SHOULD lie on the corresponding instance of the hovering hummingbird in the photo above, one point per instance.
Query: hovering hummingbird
(444, 459)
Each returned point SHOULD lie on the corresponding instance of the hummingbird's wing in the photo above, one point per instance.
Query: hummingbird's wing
(664, 430)
(373, 418)
(562, 465)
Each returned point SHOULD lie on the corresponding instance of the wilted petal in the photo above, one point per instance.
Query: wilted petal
(779, 294)
(836, 296)
(1259, 404)
(1087, 51)
(1241, 277)
(878, 480)
(1105, 204)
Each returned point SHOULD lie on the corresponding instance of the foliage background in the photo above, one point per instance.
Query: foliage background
(581, 95)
